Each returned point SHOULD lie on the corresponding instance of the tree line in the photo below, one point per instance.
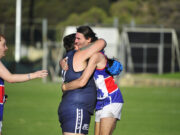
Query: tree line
(94, 12)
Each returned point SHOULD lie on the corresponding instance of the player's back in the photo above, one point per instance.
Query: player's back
(84, 97)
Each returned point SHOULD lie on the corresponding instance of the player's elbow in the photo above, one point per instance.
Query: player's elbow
(103, 42)
(10, 81)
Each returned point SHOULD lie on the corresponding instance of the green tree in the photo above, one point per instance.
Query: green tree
(126, 10)
(166, 13)
(59, 10)
(94, 16)
(7, 11)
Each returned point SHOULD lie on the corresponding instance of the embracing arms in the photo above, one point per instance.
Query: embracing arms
(86, 53)
(91, 49)
(81, 82)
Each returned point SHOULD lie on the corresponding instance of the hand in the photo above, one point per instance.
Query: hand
(41, 73)
(63, 64)
(63, 87)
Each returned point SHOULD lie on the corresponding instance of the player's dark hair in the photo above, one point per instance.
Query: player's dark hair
(87, 32)
(2, 36)
(68, 42)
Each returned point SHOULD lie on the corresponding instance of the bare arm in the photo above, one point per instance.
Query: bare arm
(92, 49)
(12, 78)
(81, 82)
(85, 54)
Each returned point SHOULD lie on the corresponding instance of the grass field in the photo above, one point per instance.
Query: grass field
(32, 110)
(172, 76)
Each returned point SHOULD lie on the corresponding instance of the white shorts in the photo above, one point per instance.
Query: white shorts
(0, 126)
(112, 110)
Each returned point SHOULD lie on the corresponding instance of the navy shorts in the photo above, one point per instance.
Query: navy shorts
(1, 111)
(74, 120)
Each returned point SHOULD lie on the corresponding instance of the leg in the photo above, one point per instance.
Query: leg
(113, 128)
(108, 117)
(67, 133)
(97, 128)
(107, 125)
(0, 127)
(97, 122)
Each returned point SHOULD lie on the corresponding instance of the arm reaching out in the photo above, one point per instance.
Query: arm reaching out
(81, 82)
(12, 78)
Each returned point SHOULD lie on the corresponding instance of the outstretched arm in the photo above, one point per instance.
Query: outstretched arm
(82, 81)
(12, 78)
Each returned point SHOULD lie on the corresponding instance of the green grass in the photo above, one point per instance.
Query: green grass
(32, 110)
(175, 75)
(150, 111)
(168, 75)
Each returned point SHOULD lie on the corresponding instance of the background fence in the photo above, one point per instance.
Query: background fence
(141, 49)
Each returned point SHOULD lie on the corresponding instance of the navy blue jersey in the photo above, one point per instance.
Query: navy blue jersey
(83, 97)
